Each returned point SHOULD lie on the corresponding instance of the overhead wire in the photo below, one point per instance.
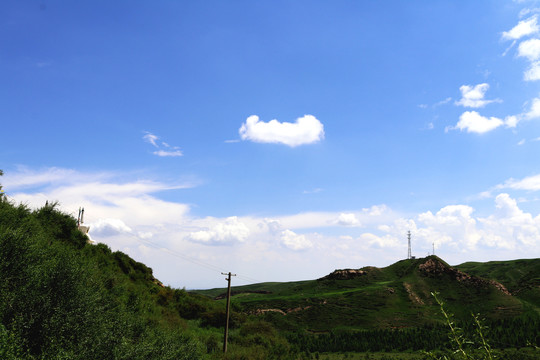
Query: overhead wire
(189, 258)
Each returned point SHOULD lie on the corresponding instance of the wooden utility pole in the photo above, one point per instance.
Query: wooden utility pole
(227, 310)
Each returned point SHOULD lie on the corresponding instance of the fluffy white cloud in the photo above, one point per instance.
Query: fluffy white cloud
(306, 130)
(471, 121)
(455, 227)
(473, 96)
(109, 227)
(452, 224)
(347, 219)
(534, 112)
(533, 72)
(523, 28)
(229, 231)
(530, 49)
(509, 226)
(294, 241)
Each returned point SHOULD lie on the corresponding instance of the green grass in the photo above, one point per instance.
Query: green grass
(392, 297)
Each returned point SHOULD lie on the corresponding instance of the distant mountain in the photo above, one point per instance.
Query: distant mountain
(397, 296)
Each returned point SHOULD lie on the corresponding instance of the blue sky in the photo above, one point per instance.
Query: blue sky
(279, 140)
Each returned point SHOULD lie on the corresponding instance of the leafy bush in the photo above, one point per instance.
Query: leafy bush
(57, 303)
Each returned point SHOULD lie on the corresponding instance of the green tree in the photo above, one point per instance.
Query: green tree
(1, 191)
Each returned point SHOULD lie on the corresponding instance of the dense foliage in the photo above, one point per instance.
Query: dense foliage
(62, 298)
(54, 302)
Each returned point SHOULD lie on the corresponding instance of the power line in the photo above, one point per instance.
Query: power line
(189, 258)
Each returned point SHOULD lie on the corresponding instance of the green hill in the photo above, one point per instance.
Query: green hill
(63, 298)
(520, 277)
(397, 296)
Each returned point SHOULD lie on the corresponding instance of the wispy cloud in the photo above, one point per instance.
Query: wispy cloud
(442, 102)
(171, 153)
(164, 149)
(151, 138)
(306, 130)
(529, 183)
(437, 104)
(312, 191)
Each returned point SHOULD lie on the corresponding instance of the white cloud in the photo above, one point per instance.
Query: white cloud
(473, 96)
(534, 112)
(108, 227)
(294, 241)
(347, 219)
(306, 130)
(128, 217)
(24, 177)
(471, 121)
(509, 226)
(530, 183)
(164, 149)
(385, 241)
(530, 49)
(523, 28)
(455, 228)
(442, 102)
(525, 12)
(99, 193)
(533, 72)
(151, 138)
(165, 153)
(229, 231)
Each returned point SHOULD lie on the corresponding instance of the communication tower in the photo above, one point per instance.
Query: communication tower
(409, 255)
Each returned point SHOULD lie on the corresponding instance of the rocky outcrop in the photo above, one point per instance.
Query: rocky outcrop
(345, 274)
(282, 312)
(412, 295)
(433, 268)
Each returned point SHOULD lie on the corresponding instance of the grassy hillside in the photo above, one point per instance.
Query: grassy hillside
(62, 298)
(521, 277)
(396, 296)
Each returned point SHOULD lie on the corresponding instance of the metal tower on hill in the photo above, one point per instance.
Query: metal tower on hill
(409, 254)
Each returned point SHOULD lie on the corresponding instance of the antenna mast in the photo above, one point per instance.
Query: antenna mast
(409, 255)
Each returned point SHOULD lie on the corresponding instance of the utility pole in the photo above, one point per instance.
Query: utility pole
(227, 311)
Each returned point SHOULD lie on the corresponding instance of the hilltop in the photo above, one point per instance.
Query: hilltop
(397, 296)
